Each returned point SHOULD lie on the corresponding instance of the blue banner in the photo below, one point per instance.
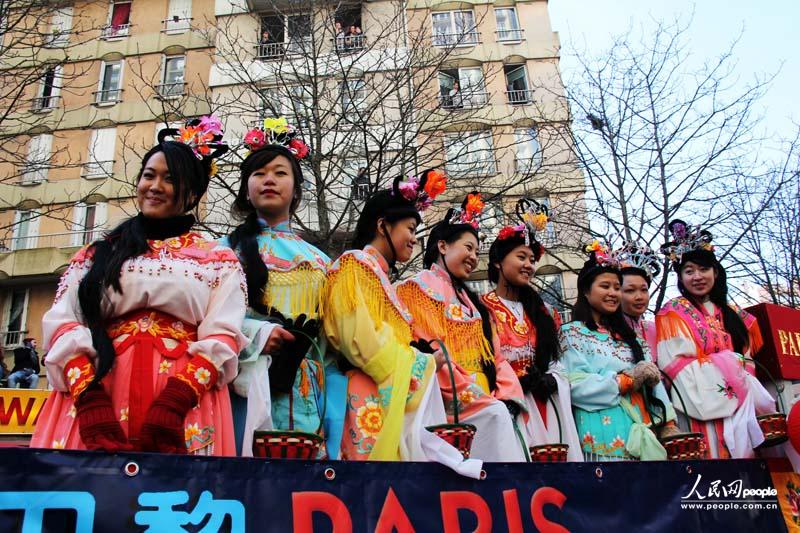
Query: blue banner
(47, 490)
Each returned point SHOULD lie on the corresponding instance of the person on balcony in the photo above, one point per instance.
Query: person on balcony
(703, 345)
(527, 330)
(144, 332)
(487, 393)
(618, 399)
(25, 373)
(280, 381)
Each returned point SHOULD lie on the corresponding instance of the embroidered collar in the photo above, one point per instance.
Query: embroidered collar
(282, 227)
(372, 251)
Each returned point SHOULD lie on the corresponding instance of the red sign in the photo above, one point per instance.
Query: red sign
(780, 327)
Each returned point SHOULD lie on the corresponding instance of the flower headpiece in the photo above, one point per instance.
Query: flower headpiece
(422, 192)
(469, 212)
(277, 131)
(604, 256)
(533, 218)
(203, 135)
(639, 256)
(686, 239)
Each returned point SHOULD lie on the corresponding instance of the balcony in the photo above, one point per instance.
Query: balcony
(298, 46)
(176, 25)
(350, 43)
(515, 35)
(464, 100)
(470, 38)
(107, 97)
(520, 97)
(43, 104)
(118, 31)
(171, 90)
(34, 173)
(98, 169)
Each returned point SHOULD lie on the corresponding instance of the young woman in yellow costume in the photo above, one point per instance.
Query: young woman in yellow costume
(488, 392)
(391, 393)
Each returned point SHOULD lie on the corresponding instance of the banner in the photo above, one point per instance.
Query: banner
(46, 490)
(19, 410)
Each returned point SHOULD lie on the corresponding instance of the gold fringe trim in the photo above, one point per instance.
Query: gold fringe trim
(464, 340)
(355, 284)
(295, 292)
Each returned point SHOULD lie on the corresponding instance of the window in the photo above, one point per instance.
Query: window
(491, 221)
(110, 89)
(462, 88)
(470, 153)
(353, 95)
(179, 16)
(357, 178)
(282, 34)
(172, 83)
(507, 24)
(454, 28)
(100, 162)
(162, 125)
(38, 161)
(551, 289)
(60, 27)
(119, 20)
(49, 89)
(26, 229)
(528, 155)
(87, 222)
(548, 236)
(15, 316)
(348, 35)
(517, 85)
(294, 101)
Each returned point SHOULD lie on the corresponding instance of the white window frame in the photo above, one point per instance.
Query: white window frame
(529, 138)
(23, 321)
(455, 36)
(81, 234)
(37, 163)
(46, 103)
(506, 35)
(101, 167)
(469, 96)
(518, 99)
(60, 27)
(31, 238)
(103, 65)
(124, 30)
(179, 17)
(172, 89)
(475, 166)
(353, 95)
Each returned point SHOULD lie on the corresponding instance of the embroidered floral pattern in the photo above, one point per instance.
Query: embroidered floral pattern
(123, 414)
(466, 397)
(202, 375)
(727, 390)
(73, 374)
(617, 442)
(58, 444)
(369, 419)
(164, 366)
(606, 420)
(72, 413)
(588, 438)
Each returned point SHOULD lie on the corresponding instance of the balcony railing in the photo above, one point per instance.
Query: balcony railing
(171, 90)
(98, 169)
(13, 339)
(44, 103)
(56, 39)
(472, 168)
(65, 239)
(295, 46)
(350, 43)
(510, 35)
(34, 173)
(469, 38)
(108, 96)
(176, 24)
(115, 32)
(527, 165)
(464, 100)
(520, 97)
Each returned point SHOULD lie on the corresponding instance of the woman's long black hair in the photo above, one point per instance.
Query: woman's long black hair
(450, 233)
(129, 239)
(532, 303)
(244, 239)
(734, 324)
(616, 325)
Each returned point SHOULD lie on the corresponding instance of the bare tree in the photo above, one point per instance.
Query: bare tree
(658, 139)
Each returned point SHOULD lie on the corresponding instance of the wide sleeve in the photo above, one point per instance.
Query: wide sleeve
(508, 386)
(592, 387)
(219, 334)
(674, 339)
(65, 335)
(659, 391)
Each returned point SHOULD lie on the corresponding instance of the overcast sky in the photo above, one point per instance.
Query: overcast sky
(770, 39)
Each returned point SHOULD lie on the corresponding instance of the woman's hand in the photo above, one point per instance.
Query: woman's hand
(276, 340)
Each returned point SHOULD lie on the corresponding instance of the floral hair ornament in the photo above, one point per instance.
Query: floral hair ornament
(203, 135)
(277, 131)
(604, 256)
(686, 239)
(422, 192)
(533, 218)
(639, 256)
(469, 212)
